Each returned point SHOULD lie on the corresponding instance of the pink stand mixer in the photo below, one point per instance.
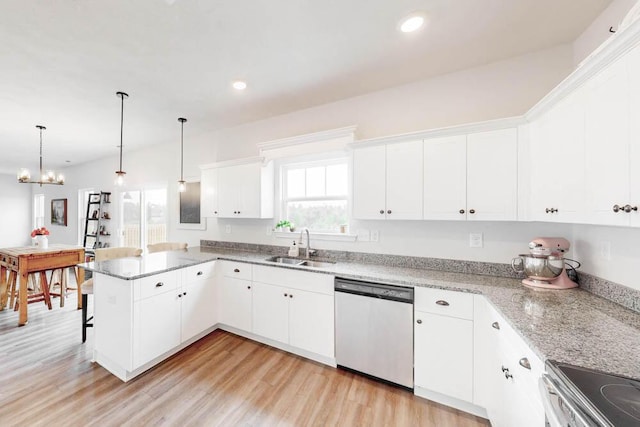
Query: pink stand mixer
(545, 264)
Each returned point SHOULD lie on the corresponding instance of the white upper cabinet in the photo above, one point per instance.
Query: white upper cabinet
(209, 192)
(387, 181)
(557, 159)
(634, 134)
(472, 177)
(243, 191)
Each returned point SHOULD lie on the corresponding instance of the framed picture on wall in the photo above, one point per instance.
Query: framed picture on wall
(59, 212)
(189, 211)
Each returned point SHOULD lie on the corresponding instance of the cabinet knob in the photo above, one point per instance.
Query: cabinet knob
(524, 362)
(184, 293)
(472, 211)
(629, 208)
(461, 211)
(236, 270)
(215, 212)
(179, 295)
(495, 325)
(442, 302)
(616, 208)
(199, 273)
(504, 369)
(419, 322)
(551, 210)
(285, 295)
(159, 285)
(381, 211)
(507, 375)
(389, 211)
(248, 287)
(290, 296)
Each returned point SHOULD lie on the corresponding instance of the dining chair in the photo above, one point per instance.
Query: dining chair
(166, 246)
(86, 287)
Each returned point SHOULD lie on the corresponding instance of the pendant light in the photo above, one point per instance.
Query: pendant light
(120, 173)
(49, 177)
(182, 185)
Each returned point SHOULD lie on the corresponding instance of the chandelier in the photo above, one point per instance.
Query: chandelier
(49, 177)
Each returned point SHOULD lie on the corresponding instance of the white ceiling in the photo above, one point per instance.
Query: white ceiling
(62, 61)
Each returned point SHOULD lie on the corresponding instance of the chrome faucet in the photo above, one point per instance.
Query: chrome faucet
(308, 247)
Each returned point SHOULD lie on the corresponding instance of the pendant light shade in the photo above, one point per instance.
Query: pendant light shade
(182, 185)
(48, 177)
(120, 173)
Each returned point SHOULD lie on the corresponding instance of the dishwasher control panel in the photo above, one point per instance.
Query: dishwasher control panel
(375, 290)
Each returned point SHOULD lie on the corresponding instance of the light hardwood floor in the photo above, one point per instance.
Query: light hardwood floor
(47, 379)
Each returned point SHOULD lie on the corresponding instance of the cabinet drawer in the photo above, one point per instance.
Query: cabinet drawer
(446, 303)
(239, 270)
(198, 272)
(295, 279)
(156, 284)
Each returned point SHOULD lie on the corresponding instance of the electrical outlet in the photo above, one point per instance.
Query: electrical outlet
(363, 236)
(227, 229)
(269, 231)
(475, 240)
(605, 250)
(375, 235)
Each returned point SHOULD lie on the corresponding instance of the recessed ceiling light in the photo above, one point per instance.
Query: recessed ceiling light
(411, 23)
(239, 85)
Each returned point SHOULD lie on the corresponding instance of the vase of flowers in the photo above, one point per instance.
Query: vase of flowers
(39, 238)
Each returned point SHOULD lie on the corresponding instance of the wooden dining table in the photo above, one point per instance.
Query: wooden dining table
(17, 263)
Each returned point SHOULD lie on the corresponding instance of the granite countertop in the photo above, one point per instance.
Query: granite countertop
(571, 326)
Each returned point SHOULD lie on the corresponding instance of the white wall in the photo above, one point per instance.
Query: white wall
(598, 31)
(15, 212)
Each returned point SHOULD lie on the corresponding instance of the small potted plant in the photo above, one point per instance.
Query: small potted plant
(39, 236)
(284, 225)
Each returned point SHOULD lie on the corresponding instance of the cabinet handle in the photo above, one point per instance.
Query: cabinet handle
(616, 208)
(236, 270)
(199, 273)
(495, 325)
(419, 322)
(472, 211)
(290, 296)
(551, 210)
(507, 375)
(442, 302)
(461, 211)
(238, 212)
(215, 212)
(179, 295)
(184, 293)
(389, 211)
(248, 287)
(381, 211)
(285, 295)
(524, 362)
(504, 369)
(629, 208)
(159, 285)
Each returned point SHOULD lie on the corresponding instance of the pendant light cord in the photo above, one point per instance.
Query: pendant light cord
(122, 96)
(181, 150)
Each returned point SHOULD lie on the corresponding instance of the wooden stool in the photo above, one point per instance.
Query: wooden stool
(59, 277)
(41, 294)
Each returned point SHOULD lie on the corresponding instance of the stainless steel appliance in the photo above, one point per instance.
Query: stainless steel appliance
(545, 264)
(578, 397)
(374, 330)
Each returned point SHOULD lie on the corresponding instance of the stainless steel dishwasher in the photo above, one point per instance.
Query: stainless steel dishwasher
(374, 330)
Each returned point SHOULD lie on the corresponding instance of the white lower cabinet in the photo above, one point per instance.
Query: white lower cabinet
(506, 371)
(235, 302)
(158, 326)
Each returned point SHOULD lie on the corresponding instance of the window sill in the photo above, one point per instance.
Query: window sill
(336, 237)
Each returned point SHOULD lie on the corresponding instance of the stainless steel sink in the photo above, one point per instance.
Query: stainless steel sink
(300, 262)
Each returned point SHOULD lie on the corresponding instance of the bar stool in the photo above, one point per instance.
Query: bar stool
(37, 290)
(59, 278)
(86, 287)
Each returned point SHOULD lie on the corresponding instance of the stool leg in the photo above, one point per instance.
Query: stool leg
(84, 317)
(12, 289)
(45, 288)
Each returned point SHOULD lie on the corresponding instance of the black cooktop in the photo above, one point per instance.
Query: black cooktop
(615, 398)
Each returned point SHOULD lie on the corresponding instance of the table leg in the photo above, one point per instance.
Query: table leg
(79, 279)
(3, 287)
(22, 295)
(45, 288)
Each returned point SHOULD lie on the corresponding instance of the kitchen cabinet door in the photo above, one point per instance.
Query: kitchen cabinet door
(228, 187)
(311, 322)
(246, 191)
(445, 178)
(158, 326)
(557, 156)
(404, 180)
(607, 145)
(271, 312)
(633, 66)
(209, 192)
(369, 183)
(492, 175)
(444, 355)
(198, 307)
(235, 303)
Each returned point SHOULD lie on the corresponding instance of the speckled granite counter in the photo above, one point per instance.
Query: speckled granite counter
(571, 326)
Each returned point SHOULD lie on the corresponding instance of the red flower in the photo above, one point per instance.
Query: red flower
(40, 232)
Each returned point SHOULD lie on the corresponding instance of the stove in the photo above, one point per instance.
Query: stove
(576, 397)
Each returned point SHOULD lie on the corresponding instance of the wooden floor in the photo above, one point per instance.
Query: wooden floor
(47, 379)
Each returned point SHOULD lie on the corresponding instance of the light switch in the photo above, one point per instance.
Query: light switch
(227, 229)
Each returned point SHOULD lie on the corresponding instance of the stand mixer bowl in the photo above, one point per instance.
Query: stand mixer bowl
(538, 267)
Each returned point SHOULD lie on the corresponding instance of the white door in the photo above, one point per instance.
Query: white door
(228, 192)
(235, 303)
(158, 323)
(492, 175)
(271, 312)
(369, 183)
(404, 180)
(607, 145)
(633, 65)
(209, 192)
(311, 322)
(445, 178)
(249, 190)
(198, 307)
(444, 355)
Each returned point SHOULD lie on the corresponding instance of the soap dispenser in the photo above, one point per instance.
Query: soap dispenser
(294, 250)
